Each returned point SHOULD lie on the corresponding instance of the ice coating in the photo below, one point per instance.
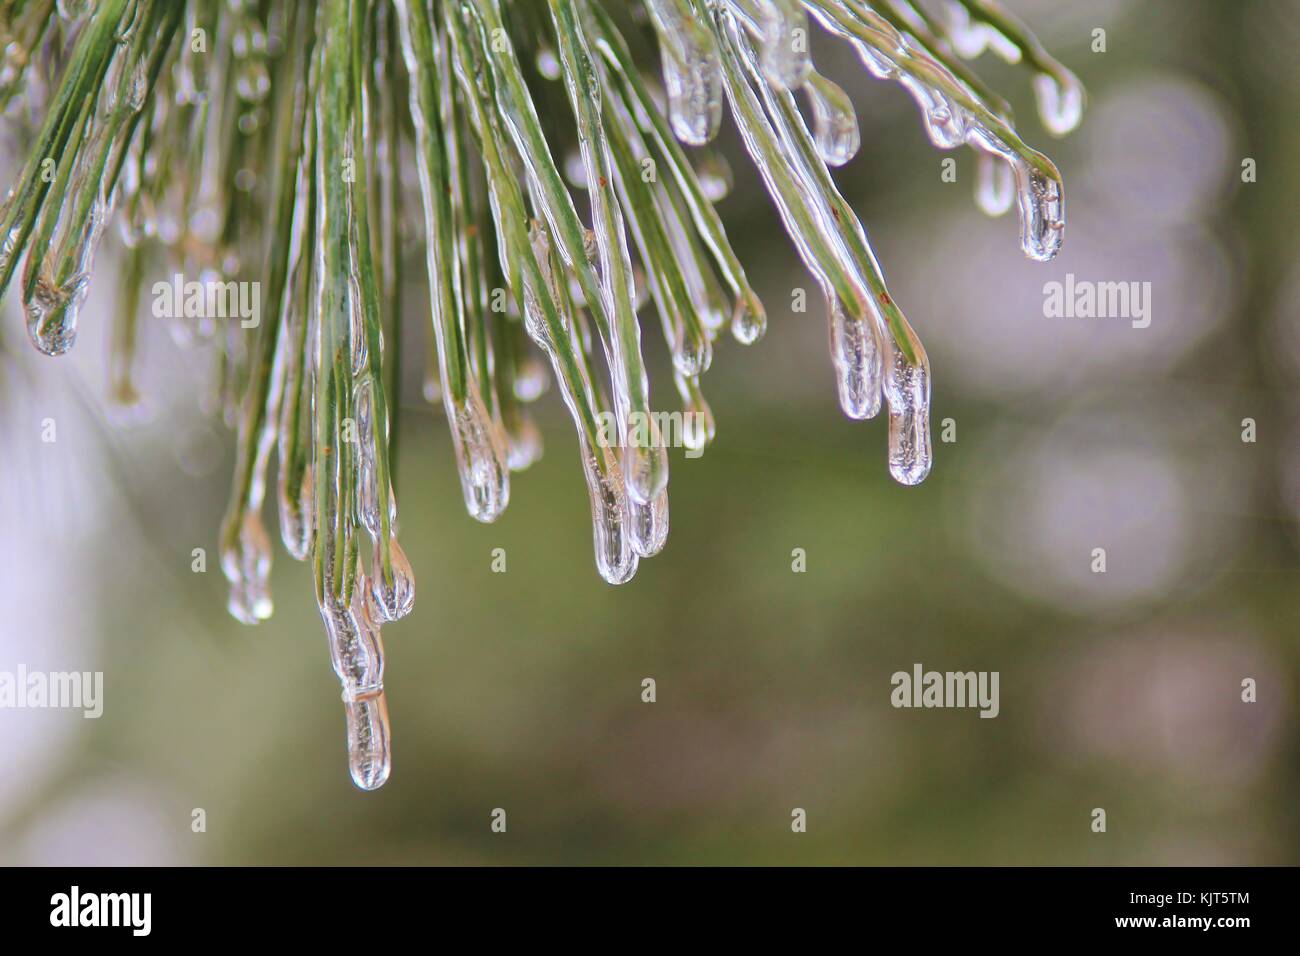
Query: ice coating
(835, 122)
(692, 74)
(953, 115)
(188, 170)
(995, 184)
(856, 355)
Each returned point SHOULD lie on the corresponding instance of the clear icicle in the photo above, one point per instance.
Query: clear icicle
(480, 458)
(645, 463)
(715, 176)
(246, 564)
(297, 344)
(953, 114)
(1060, 101)
(357, 653)
(782, 30)
(56, 277)
(531, 379)
(698, 426)
(835, 122)
(907, 393)
(1042, 212)
(995, 184)
(692, 74)
(855, 353)
(649, 525)
(392, 599)
(616, 559)
(476, 439)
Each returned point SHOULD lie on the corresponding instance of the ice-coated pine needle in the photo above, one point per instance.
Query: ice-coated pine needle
(558, 202)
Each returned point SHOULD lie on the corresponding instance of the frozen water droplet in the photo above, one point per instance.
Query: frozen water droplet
(859, 368)
(548, 63)
(995, 184)
(692, 352)
(692, 73)
(616, 560)
(1042, 212)
(945, 123)
(531, 379)
(649, 524)
(51, 311)
(907, 393)
(784, 44)
(393, 599)
(369, 741)
(480, 456)
(835, 123)
(645, 464)
(715, 176)
(525, 440)
(747, 323)
(246, 563)
(1060, 101)
(698, 426)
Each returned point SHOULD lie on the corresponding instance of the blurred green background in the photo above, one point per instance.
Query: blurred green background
(522, 690)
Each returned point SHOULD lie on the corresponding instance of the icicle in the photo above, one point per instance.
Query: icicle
(246, 563)
(649, 525)
(645, 463)
(749, 318)
(954, 114)
(248, 43)
(531, 379)
(835, 123)
(1060, 101)
(684, 330)
(1042, 212)
(995, 184)
(855, 352)
(298, 344)
(691, 70)
(782, 29)
(907, 392)
(547, 306)
(478, 444)
(56, 275)
(715, 176)
(699, 428)
(357, 653)
(392, 599)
